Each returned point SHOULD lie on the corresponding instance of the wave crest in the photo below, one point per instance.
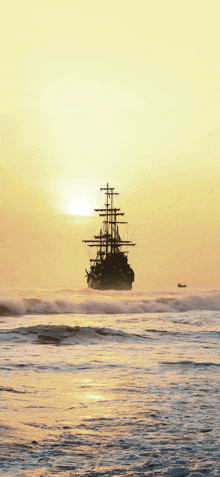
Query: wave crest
(62, 334)
(110, 304)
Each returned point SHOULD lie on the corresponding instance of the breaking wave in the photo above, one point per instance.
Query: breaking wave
(109, 304)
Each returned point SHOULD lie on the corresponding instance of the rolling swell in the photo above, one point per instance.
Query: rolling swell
(111, 305)
(188, 363)
(61, 334)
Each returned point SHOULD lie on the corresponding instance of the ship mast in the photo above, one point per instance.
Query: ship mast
(110, 239)
(109, 213)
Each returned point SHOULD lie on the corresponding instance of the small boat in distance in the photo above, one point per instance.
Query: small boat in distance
(110, 269)
(182, 285)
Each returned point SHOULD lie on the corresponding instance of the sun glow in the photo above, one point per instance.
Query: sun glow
(79, 206)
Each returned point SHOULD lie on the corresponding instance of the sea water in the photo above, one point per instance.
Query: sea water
(110, 383)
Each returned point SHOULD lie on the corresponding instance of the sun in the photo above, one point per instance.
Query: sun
(79, 206)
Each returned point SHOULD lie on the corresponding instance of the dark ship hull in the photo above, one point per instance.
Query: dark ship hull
(113, 283)
(113, 273)
(110, 269)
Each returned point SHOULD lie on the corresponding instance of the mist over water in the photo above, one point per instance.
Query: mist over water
(110, 383)
(88, 301)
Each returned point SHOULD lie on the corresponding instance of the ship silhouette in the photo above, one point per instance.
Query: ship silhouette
(110, 269)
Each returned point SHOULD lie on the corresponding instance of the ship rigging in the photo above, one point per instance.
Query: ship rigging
(110, 268)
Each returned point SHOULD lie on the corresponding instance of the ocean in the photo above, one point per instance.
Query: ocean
(110, 383)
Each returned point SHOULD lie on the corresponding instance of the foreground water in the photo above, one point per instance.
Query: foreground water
(110, 384)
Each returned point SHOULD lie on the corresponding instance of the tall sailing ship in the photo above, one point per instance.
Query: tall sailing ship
(110, 269)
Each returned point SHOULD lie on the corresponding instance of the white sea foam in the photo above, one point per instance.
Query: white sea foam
(89, 302)
(135, 394)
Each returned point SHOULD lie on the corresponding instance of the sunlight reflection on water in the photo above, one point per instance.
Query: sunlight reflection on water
(119, 394)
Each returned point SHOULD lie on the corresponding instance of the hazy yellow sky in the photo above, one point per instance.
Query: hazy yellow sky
(121, 91)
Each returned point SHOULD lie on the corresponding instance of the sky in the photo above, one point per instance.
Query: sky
(125, 92)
